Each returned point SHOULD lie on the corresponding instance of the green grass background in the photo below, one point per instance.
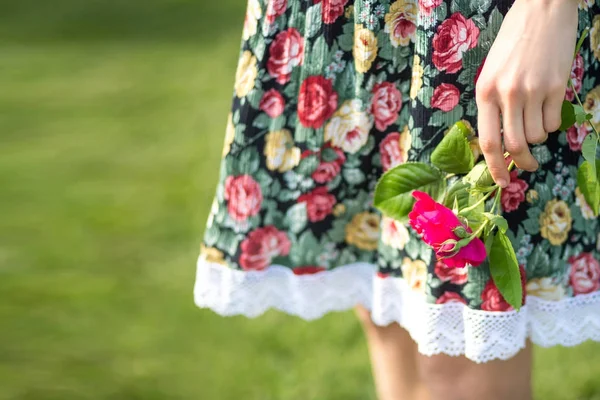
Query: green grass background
(112, 116)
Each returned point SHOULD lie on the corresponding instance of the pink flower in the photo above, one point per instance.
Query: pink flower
(275, 8)
(393, 150)
(332, 9)
(436, 223)
(386, 104)
(585, 273)
(514, 194)
(272, 103)
(308, 270)
(445, 97)
(327, 170)
(317, 101)
(427, 6)
(285, 53)
(244, 197)
(261, 246)
(457, 276)
(454, 36)
(576, 78)
(450, 297)
(575, 136)
(319, 203)
(492, 298)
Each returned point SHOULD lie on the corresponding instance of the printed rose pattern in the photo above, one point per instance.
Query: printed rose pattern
(329, 94)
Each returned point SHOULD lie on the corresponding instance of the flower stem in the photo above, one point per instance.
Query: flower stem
(474, 206)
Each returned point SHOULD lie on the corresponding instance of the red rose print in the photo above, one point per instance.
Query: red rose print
(275, 8)
(585, 273)
(272, 103)
(493, 300)
(457, 276)
(514, 194)
(261, 246)
(450, 297)
(328, 168)
(285, 53)
(308, 270)
(427, 6)
(575, 136)
(317, 101)
(454, 36)
(382, 275)
(386, 104)
(436, 224)
(244, 197)
(445, 97)
(319, 204)
(391, 152)
(576, 78)
(332, 9)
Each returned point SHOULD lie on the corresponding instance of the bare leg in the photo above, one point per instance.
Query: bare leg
(457, 378)
(393, 359)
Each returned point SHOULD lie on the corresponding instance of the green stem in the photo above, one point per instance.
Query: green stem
(474, 206)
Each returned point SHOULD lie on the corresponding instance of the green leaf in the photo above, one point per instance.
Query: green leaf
(489, 241)
(567, 115)
(313, 20)
(458, 193)
(505, 270)
(479, 176)
(580, 115)
(589, 186)
(497, 220)
(393, 192)
(453, 153)
(588, 150)
(308, 165)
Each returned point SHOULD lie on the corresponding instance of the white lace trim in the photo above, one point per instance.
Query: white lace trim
(451, 328)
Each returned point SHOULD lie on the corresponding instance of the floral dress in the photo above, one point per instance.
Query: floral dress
(328, 95)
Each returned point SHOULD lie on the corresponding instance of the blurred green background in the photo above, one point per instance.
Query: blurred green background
(112, 116)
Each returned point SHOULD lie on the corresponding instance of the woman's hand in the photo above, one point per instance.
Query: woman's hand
(524, 80)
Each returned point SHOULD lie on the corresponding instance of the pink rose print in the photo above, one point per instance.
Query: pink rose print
(576, 77)
(386, 104)
(445, 97)
(436, 223)
(327, 169)
(332, 9)
(585, 273)
(454, 36)
(514, 194)
(285, 53)
(275, 8)
(493, 300)
(457, 276)
(427, 6)
(575, 136)
(272, 103)
(244, 197)
(391, 152)
(319, 203)
(450, 297)
(261, 246)
(317, 101)
(308, 270)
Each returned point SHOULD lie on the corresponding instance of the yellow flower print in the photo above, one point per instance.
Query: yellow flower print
(416, 82)
(414, 273)
(595, 37)
(555, 222)
(532, 196)
(246, 74)
(363, 231)
(212, 255)
(349, 127)
(585, 4)
(365, 48)
(229, 135)
(545, 289)
(592, 106)
(339, 210)
(253, 14)
(586, 210)
(405, 142)
(349, 12)
(280, 151)
(401, 22)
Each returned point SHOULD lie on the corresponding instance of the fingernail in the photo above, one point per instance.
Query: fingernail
(502, 183)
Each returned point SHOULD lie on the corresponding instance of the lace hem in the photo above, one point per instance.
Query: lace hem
(451, 328)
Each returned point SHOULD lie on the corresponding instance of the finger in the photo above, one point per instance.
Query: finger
(552, 109)
(534, 122)
(515, 142)
(488, 124)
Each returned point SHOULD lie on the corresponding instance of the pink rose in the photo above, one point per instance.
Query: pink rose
(436, 224)
(272, 103)
(585, 273)
(575, 136)
(319, 203)
(308, 270)
(275, 8)
(576, 78)
(454, 36)
(445, 97)
(328, 168)
(317, 101)
(427, 6)
(450, 297)
(261, 246)
(386, 104)
(493, 300)
(244, 197)
(285, 53)
(457, 276)
(332, 9)
(514, 194)
(391, 152)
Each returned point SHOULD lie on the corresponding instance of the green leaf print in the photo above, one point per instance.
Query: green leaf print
(354, 176)
(505, 270)
(541, 154)
(296, 217)
(445, 119)
(313, 20)
(453, 153)
(478, 278)
(480, 6)
(305, 250)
